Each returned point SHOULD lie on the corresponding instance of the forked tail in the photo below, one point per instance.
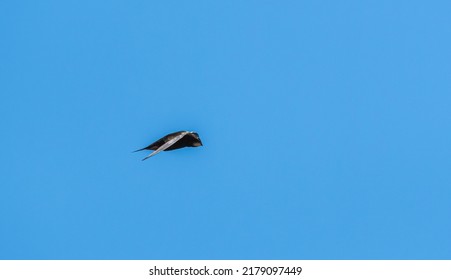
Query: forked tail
(139, 150)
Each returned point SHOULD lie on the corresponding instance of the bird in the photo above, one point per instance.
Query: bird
(173, 141)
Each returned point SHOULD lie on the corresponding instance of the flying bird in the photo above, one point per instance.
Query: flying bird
(176, 140)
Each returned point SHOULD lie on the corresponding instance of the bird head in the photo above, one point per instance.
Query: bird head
(199, 143)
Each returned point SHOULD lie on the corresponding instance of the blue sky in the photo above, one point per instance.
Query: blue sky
(326, 128)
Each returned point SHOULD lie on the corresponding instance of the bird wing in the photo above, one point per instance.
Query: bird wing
(167, 144)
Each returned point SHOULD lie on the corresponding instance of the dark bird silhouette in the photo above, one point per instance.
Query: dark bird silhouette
(176, 140)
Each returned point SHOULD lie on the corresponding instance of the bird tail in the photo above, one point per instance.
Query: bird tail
(139, 150)
(151, 154)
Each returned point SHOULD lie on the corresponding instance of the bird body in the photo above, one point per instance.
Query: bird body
(173, 141)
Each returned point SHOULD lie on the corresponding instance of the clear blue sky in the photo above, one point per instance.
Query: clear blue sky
(326, 129)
